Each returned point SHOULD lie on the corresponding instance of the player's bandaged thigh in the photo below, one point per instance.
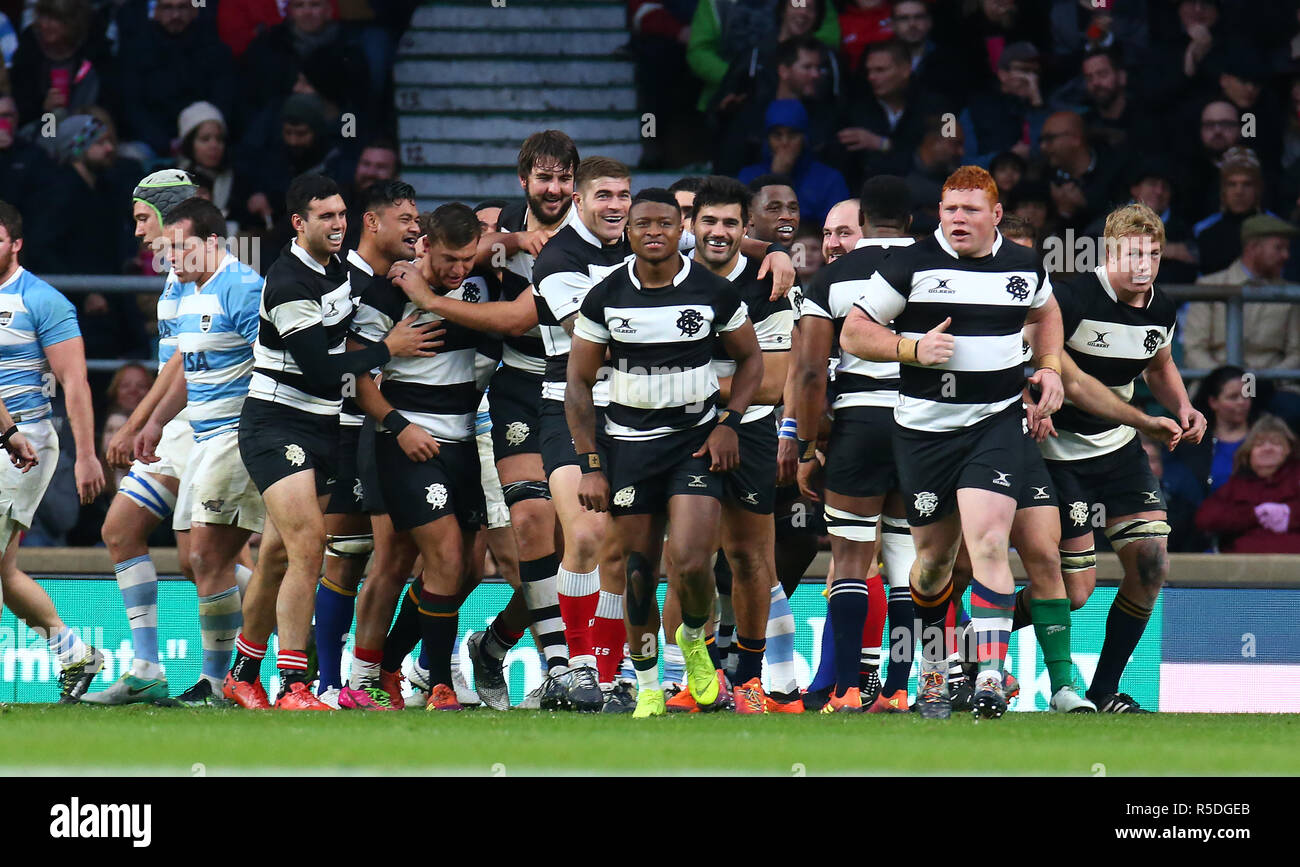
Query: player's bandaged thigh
(147, 492)
(1078, 561)
(517, 492)
(1138, 529)
(846, 525)
(349, 546)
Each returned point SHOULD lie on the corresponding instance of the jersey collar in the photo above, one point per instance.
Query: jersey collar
(741, 264)
(677, 280)
(884, 242)
(1100, 271)
(307, 259)
(18, 272)
(226, 261)
(355, 258)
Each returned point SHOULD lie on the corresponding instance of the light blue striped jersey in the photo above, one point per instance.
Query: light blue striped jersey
(216, 325)
(168, 302)
(33, 315)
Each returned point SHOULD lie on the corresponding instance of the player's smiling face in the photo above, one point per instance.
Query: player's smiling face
(396, 228)
(776, 214)
(718, 231)
(969, 219)
(654, 228)
(322, 230)
(603, 207)
(548, 189)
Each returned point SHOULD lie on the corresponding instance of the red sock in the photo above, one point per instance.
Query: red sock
(877, 606)
(608, 637)
(950, 629)
(578, 610)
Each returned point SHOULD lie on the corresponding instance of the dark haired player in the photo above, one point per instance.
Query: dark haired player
(658, 316)
(288, 434)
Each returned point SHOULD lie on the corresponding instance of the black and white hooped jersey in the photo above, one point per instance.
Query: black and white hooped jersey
(360, 273)
(299, 294)
(830, 295)
(440, 393)
(1112, 342)
(987, 297)
(661, 347)
(570, 264)
(773, 322)
(526, 352)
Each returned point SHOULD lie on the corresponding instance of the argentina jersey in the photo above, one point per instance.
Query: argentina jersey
(216, 327)
(33, 316)
(988, 299)
(168, 303)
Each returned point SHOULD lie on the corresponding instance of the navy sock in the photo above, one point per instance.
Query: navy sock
(438, 623)
(1125, 624)
(847, 610)
(334, 610)
(902, 639)
(750, 663)
(825, 676)
(405, 633)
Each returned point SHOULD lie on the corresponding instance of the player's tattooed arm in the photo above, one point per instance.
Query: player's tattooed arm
(585, 360)
(1166, 385)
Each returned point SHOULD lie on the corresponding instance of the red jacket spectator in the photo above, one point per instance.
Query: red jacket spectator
(1257, 511)
(861, 23)
(654, 18)
(238, 21)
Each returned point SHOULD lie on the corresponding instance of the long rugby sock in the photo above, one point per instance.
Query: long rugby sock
(406, 630)
(438, 622)
(334, 609)
(750, 662)
(675, 661)
(1024, 610)
(847, 610)
(873, 627)
(902, 639)
(1052, 628)
(539, 580)
(780, 645)
(825, 676)
(248, 660)
(647, 671)
(499, 640)
(67, 646)
(932, 614)
(579, 594)
(292, 666)
(991, 612)
(608, 635)
(1124, 627)
(137, 579)
(220, 618)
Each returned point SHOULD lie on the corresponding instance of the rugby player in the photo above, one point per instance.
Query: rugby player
(959, 444)
(216, 326)
(288, 436)
(39, 335)
(147, 494)
(657, 316)
(841, 230)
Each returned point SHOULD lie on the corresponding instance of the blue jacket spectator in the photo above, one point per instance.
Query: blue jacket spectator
(818, 186)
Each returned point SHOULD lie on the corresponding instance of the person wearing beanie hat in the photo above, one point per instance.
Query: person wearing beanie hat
(204, 147)
(785, 152)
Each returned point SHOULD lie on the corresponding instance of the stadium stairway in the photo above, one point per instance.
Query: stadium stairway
(474, 78)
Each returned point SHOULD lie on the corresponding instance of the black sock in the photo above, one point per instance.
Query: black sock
(847, 610)
(932, 615)
(1022, 616)
(290, 676)
(711, 644)
(438, 623)
(246, 668)
(902, 640)
(750, 663)
(405, 633)
(1124, 627)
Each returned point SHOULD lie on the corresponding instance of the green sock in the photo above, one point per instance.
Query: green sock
(1052, 627)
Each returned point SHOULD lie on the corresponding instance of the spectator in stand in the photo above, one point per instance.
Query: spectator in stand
(817, 185)
(1010, 117)
(726, 31)
(1115, 117)
(62, 63)
(308, 43)
(1241, 190)
(1230, 408)
(1183, 62)
(987, 28)
(665, 86)
(863, 23)
(129, 385)
(8, 39)
(933, 69)
(798, 64)
(1008, 170)
(1220, 131)
(1084, 180)
(240, 21)
(1118, 27)
(1244, 83)
(205, 150)
(1258, 510)
(1182, 495)
(1032, 201)
(1152, 184)
(937, 157)
(378, 162)
(179, 60)
(23, 166)
(807, 253)
(883, 126)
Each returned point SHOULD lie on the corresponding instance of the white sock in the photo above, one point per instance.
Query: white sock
(363, 672)
(242, 576)
(146, 670)
(68, 646)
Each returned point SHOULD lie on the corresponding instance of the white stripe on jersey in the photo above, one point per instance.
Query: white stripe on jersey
(929, 415)
(1071, 446)
(662, 389)
(1116, 340)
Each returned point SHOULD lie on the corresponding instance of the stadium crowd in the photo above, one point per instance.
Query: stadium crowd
(948, 117)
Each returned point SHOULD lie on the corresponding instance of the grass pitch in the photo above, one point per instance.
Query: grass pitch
(80, 740)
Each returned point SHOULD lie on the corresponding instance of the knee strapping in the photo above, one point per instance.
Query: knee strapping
(846, 525)
(1078, 561)
(1136, 530)
(148, 494)
(356, 546)
(517, 492)
(641, 587)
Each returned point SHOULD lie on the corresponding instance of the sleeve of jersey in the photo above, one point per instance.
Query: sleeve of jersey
(1044, 290)
(563, 292)
(815, 299)
(773, 331)
(55, 317)
(323, 370)
(729, 312)
(291, 308)
(880, 299)
(370, 324)
(243, 298)
(590, 324)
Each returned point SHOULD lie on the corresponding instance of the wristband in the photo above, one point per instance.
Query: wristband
(789, 429)
(4, 437)
(907, 350)
(807, 450)
(731, 419)
(1049, 361)
(590, 463)
(396, 422)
